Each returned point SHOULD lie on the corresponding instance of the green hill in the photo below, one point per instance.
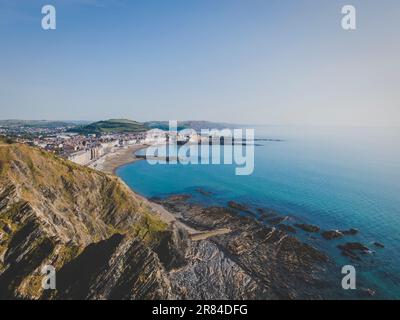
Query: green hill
(191, 124)
(111, 126)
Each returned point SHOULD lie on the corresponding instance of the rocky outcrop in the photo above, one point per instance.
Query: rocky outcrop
(253, 261)
(88, 225)
(173, 247)
(353, 250)
(307, 227)
(332, 234)
(120, 267)
(210, 274)
(337, 234)
(379, 245)
(350, 232)
(204, 192)
(238, 206)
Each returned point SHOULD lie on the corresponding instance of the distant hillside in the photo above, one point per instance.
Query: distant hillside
(34, 123)
(196, 125)
(111, 126)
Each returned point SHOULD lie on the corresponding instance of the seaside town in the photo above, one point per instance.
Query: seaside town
(67, 140)
(79, 148)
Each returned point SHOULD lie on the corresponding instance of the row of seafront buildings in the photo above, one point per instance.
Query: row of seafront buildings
(81, 149)
(92, 153)
(96, 149)
(100, 147)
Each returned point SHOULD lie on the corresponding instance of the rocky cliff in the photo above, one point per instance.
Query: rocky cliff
(106, 242)
(88, 225)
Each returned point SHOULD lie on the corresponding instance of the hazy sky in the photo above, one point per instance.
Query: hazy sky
(242, 61)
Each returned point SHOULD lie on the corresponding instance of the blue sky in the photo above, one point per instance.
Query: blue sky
(243, 61)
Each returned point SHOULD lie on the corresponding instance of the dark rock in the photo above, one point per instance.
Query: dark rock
(379, 245)
(287, 228)
(270, 263)
(276, 220)
(350, 232)
(7, 229)
(173, 248)
(266, 214)
(238, 206)
(204, 192)
(307, 227)
(353, 249)
(332, 234)
(354, 246)
(119, 268)
(336, 234)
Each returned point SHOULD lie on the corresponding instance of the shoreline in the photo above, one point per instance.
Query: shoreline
(109, 163)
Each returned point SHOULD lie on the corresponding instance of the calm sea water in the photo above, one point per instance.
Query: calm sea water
(335, 178)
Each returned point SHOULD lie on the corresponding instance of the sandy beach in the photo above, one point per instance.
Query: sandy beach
(112, 161)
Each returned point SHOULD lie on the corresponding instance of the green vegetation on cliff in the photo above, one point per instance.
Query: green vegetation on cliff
(196, 125)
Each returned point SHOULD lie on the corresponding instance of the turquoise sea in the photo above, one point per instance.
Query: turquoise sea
(336, 178)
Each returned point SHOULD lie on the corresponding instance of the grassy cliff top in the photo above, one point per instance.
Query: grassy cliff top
(93, 204)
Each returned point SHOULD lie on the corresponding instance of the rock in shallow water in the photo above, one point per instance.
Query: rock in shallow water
(379, 245)
(204, 192)
(269, 263)
(238, 206)
(307, 227)
(276, 220)
(353, 249)
(287, 228)
(332, 234)
(350, 232)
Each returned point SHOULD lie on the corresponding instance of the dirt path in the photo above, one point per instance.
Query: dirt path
(172, 219)
(202, 235)
(195, 235)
